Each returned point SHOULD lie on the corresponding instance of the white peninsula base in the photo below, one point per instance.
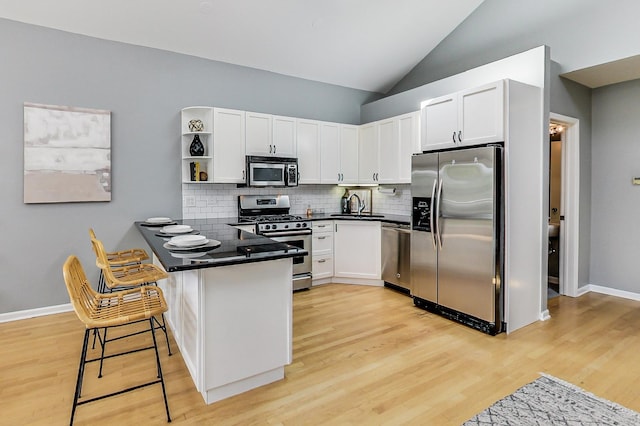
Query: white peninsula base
(232, 324)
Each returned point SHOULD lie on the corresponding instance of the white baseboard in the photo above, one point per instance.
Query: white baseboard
(610, 291)
(37, 312)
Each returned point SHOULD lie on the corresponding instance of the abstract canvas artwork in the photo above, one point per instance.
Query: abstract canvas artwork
(67, 154)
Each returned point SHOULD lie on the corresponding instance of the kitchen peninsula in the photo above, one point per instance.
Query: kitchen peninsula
(230, 309)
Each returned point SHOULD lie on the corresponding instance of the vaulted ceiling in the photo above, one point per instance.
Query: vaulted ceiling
(362, 44)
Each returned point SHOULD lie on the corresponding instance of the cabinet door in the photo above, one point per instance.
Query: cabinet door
(329, 153)
(356, 249)
(284, 136)
(481, 112)
(368, 171)
(440, 123)
(409, 144)
(389, 151)
(308, 140)
(228, 146)
(258, 134)
(349, 154)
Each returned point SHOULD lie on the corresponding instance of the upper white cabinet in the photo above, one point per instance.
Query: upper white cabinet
(228, 146)
(348, 154)
(258, 134)
(409, 144)
(284, 136)
(368, 170)
(338, 153)
(308, 141)
(197, 126)
(469, 117)
(270, 135)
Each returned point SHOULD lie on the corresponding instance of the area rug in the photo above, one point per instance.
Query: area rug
(551, 401)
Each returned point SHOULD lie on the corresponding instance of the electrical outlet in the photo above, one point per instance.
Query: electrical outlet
(190, 201)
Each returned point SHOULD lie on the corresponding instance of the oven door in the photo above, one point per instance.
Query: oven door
(300, 239)
(266, 174)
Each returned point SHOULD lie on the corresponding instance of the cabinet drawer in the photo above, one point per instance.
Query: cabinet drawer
(322, 267)
(323, 226)
(322, 244)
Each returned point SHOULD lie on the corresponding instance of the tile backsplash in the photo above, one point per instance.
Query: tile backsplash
(221, 200)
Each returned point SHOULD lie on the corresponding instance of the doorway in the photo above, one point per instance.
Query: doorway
(566, 213)
(556, 135)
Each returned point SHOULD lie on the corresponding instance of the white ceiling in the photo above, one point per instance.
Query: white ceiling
(363, 44)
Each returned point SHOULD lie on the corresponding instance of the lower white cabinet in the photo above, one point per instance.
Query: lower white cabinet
(356, 248)
(322, 250)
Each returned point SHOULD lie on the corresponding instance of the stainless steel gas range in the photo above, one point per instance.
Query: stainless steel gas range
(270, 213)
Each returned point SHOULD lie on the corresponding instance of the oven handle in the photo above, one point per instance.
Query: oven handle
(291, 233)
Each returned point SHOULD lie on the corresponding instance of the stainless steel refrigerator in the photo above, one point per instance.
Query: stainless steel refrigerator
(457, 235)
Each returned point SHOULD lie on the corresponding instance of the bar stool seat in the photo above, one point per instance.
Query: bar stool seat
(103, 311)
(123, 257)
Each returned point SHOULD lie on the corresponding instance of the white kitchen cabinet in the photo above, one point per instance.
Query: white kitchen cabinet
(348, 154)
(258, 134)
(368, 171)
(409, 144)
(228, 146)
(469, 117)
(203, 162)
(389, 151)
(309, 152)
(322, 252)
(284, 136)
(339, 153)
(356, 249)
(270, 135)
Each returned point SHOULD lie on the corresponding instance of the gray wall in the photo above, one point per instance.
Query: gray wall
(145, 90)
(615, 201)
(581, 33)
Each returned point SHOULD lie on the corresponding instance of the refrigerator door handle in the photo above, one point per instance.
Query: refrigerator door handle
(438, 199)
(433, 204)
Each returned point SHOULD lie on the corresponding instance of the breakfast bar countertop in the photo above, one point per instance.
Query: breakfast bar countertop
(237, 247)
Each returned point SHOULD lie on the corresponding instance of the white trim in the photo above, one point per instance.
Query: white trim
(612, 292)
(583, 290)
(569, 228)
(37, 312)
(544, 315)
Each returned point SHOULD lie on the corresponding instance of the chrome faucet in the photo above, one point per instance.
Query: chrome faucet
(360, 203)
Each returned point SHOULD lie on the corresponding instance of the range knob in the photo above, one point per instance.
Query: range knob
(298, 225)
(286, 226)
(274, 226)
(267, 227)
(304, 225)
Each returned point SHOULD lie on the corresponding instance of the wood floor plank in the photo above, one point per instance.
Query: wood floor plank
(362, 355)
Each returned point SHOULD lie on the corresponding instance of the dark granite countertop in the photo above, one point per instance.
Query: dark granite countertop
(385, 218)
(237, 246)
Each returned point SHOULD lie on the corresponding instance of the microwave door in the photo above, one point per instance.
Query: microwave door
(265, 174)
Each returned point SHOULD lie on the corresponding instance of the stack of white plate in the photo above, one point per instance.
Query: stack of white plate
(158, 220)
(185, 241)
(176, 229)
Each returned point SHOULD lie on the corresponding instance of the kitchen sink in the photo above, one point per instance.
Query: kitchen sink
(358, 216)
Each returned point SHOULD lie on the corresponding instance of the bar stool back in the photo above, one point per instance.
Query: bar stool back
(97, 310)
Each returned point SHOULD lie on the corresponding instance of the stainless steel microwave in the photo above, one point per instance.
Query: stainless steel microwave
(272, 171)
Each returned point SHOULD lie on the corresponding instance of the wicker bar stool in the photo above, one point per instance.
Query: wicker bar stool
(119, 258)
(125, 277)
(102, 311)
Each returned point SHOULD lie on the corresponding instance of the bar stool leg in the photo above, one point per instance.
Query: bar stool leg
(163, 327)
(102, 352)
(83, 355)
(155, 347)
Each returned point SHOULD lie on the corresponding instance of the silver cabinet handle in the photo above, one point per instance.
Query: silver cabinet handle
(454, 136)
(243, 175)
(322, 260)
(270, 151)
(274, 149)
(459, 135)
(321, 238)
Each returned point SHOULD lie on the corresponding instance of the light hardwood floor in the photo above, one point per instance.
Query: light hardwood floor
(361, 355)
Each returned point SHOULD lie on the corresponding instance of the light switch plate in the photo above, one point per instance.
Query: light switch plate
(190, 201)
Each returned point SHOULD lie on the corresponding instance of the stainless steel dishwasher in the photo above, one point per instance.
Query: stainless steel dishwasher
(396, 253)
